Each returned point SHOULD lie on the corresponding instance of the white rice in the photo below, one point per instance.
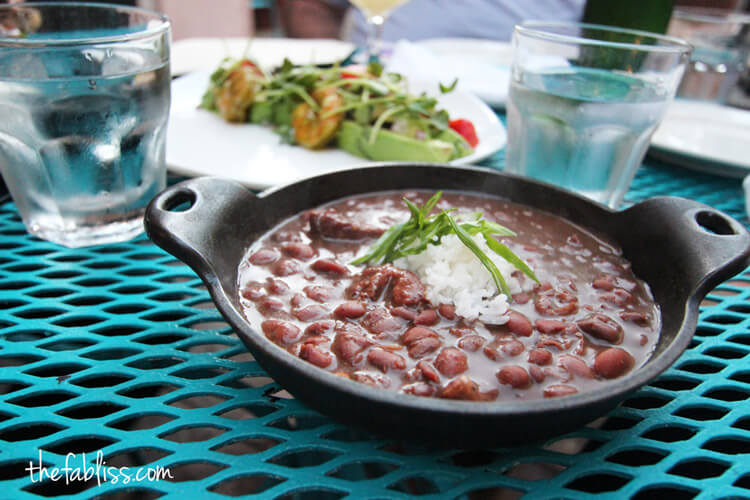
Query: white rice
(452, 274)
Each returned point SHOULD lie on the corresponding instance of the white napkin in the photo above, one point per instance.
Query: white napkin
(487, 79)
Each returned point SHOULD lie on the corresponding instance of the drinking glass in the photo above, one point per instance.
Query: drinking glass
(584, 101)
(376, 12)
(721, 42)
(84, 96)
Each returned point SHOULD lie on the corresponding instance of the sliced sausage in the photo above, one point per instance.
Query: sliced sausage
(330, 224)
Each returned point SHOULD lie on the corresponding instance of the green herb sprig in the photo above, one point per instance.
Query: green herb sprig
(413, 236)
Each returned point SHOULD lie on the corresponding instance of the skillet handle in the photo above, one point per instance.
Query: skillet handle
(199, 221)
(706, 248)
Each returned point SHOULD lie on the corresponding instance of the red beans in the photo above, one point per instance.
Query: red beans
(514, 376)
(461, 388)
(575, 366)
(380, 321)
(276, 286)
(417, 333)
(320, 327)
(264, 256)
(448, 311)
(558, 390)
(311, 313)
(420, 341)
(315, 355)
(285, 267)
(298, 250)
(556, 303)
(419, 389)
(404, 312)
(385, 360)
(513, 348)
(549, 325)
(319, 293)
(350, 309)
(372, 379)
(602, 327)
(281, 332)
(329, 266)
(376, 326)
(471, 343)
(619, 297)
(521, 298)
(427, 317)
(537, 374)
(540, 357)
(451, 362)
(639, 319)
(253, 291)
(269, 305)
(350, 347)
(604, 283)
(428, 372)
(613, 362)
(519, 324)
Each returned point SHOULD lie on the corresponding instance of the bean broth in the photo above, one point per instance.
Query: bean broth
(588, 320)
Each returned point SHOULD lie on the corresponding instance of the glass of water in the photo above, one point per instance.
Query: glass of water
(584, 101)
(84, 96)
(721, 42)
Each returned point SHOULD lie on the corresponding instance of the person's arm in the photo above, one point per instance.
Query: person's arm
(312, 18)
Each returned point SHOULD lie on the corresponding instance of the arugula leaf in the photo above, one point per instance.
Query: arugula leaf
(445, 90)
(375, 68)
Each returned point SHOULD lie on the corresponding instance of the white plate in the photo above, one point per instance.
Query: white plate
(201, 143)
(706, 137)
(205, 54)
(482, 66)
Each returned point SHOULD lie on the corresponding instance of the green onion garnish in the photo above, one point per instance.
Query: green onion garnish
(413, 236)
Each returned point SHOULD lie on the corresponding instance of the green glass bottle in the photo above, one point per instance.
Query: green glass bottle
(645, 15)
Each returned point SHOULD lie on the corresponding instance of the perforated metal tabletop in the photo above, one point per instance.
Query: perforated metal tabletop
(119, 349)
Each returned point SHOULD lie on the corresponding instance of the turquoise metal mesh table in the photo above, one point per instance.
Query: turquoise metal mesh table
(118, 349)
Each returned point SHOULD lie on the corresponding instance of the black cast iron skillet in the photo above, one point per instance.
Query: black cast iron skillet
(681, 248)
